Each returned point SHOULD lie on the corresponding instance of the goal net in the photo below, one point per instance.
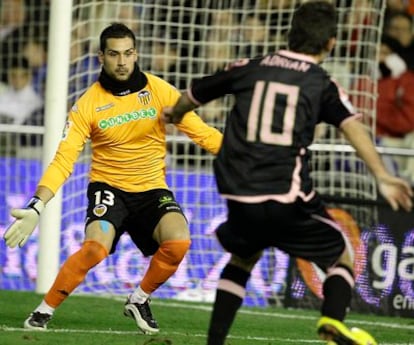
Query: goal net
(180, 40)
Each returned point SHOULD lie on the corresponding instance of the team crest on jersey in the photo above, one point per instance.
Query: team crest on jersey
(99, 210)
(144, 97)
(66, 129)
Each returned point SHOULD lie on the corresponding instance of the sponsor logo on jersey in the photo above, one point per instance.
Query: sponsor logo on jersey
(119, 120)
(144, 97)
(99, 210)
(104, 107)
(68, 125)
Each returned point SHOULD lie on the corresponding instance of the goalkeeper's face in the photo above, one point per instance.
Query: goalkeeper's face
(119, 58)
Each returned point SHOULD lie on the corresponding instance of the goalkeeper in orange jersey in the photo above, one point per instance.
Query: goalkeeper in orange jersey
(127, 191)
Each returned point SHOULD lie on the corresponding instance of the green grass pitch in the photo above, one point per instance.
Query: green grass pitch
(100, 321)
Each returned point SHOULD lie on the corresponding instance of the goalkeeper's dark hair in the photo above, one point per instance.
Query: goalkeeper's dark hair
(313, 24)
(115, 30)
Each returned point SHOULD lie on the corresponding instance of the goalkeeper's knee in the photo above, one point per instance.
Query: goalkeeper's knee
(164, 263)
(171, 253)
(90, 254)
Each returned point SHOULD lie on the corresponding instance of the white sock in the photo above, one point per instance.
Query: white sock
(44, 308)
(139, 296)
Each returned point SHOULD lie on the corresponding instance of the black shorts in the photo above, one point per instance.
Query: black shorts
(301, 229)
(135, 213)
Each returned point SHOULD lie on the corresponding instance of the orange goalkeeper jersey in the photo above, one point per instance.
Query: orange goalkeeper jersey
(128, 137)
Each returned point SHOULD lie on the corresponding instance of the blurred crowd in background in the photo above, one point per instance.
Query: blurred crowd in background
(217, 36)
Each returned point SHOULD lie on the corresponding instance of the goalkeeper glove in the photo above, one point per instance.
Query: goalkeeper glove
(26, 221)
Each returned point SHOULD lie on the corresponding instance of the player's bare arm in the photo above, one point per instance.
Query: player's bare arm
(395, 190)
(44, 194)
(176, 113)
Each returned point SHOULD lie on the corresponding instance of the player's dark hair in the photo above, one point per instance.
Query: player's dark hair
(313, 25)
(115, 30)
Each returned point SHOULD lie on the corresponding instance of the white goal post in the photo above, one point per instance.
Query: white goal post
(55, 115)
(180, 40)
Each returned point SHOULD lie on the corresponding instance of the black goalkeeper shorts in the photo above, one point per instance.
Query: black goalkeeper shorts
(135, 213)
(301, 229)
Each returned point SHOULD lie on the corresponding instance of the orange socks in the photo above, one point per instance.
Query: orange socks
(74, 270)
(164, 263)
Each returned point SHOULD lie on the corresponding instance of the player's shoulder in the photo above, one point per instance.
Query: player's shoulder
(92, 92)
(89, 98)
(160, 88)
(156, 80)
(236, 63)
